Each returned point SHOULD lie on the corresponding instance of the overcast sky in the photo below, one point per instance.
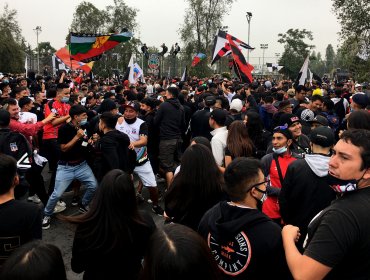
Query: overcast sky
(159, 21)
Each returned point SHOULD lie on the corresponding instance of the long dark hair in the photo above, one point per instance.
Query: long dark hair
(199, 182)
(178, 252)
(254, 124)
(238, 142)
(112, 212)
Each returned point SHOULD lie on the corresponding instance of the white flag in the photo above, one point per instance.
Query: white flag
(26, 66)
(131, 74)
(303, 72)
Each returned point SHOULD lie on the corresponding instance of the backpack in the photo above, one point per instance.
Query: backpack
(339, 109)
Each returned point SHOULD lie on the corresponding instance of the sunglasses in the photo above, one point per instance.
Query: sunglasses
(280, 127)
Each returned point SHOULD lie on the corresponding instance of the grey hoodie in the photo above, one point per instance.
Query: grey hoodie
(318, 163)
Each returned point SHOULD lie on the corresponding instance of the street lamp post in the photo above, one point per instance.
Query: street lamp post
(249, 17)
(263, 47)
(277, 57)
(38, 31)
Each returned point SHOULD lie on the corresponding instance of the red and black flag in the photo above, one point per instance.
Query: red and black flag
(241, 67)
(222, 47)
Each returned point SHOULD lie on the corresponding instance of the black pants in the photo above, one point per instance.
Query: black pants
(51, 150)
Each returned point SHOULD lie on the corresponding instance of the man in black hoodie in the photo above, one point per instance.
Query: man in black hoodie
(300, 200)
(112, 148)
(171, 121)
(245, 243)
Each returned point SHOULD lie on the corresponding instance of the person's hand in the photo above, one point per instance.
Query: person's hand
(131, 146)
(80, 133)
(290, 232)
(49, 118)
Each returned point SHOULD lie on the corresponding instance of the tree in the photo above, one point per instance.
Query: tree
(295, 50)
(202, 20)
(88, 19)
(114, 18)
(317, 65)
(11, 42)
(330, 58)
(354, 18)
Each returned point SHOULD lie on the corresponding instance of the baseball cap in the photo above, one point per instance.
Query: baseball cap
(307, 115)
(133, 105)
(358, 85)
(322, 136)
(283, 130)
(321, 120)
(210, 100)
(360, 99)
(219, 116)
(284, 103)
(236, 105)
(288, 119)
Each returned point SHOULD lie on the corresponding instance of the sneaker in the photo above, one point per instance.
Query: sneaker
(159, 179)
(139, 198)
(82, 208)
(34, 199)
(75, 200)
(158, 210)
(46, 222)
(61, 203)
(58, 209)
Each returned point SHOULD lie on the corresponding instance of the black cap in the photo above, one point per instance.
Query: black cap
(321, 120)
(210, 101)
(360, 99)
(288, 119)
(322, 136)
(219, 116)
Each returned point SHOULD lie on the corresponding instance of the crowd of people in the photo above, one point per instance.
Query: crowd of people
(266, 179)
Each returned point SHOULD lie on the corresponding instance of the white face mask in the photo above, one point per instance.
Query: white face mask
(281, 150)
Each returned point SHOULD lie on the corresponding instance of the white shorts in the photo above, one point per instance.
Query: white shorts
(146, 174)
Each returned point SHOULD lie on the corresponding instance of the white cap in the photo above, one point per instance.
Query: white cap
(358, 85)
(236, 104)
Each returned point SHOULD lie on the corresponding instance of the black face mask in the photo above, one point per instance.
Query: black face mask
(130, 121)
(143, 112)
(342, 186)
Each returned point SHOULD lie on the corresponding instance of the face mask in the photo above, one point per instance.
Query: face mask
(261, 201)
(280, 151)
(342, 186)
(130, 121)
(65, 99)
(83, 122)
(143, 112)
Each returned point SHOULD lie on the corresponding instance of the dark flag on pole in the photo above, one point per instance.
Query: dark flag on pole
(184, 76)
(222, 47)
(241, 67)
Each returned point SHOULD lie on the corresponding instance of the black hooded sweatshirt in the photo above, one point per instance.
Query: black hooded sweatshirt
(245, 243)
(170, 118)
(113, 153)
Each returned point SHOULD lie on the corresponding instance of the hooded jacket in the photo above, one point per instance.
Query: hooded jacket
(245, 243)
(305, 191)
(113, 153)
(170, 118)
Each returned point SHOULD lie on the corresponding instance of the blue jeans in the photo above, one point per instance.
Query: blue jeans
(65, 175)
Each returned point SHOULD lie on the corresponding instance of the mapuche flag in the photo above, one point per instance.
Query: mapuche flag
(90, 47)
(222, 47)
(241, 67)
(64, 57)
(199, 57)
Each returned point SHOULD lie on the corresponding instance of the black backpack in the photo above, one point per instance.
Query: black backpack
(339, 109)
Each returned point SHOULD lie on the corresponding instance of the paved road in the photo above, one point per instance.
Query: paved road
(61, 233)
